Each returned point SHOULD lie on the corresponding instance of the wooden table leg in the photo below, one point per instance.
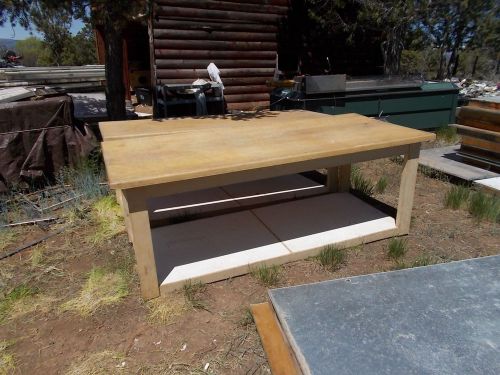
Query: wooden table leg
(407, 189)
(339, 179)
(123, 203)
(143, 243)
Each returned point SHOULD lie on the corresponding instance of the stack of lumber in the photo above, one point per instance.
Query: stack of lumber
(237, 36)
(479, 127)
(62, 76)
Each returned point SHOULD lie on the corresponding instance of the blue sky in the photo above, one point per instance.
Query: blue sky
(18, 32)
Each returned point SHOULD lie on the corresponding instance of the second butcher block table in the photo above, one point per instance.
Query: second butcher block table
(167, 158)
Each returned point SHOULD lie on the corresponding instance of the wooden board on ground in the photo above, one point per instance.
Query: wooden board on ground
(180, 156)
(492, 102)
(278, 351)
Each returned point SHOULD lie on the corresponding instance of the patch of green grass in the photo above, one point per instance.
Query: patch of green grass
(397, 248)
(381, 184)
(194, 294)
(360, 183)
(456, 197)
(107, 215)
(101, 288)
(15, 296)
(332, 258)
(447, 135)
(85, 178)
(7, 360)
(267, 275)
(484, 207)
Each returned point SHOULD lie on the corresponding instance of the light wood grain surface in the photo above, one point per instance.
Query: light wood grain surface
(141, 128)
(278, 139)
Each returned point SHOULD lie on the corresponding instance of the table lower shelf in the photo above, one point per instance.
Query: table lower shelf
(219, 247)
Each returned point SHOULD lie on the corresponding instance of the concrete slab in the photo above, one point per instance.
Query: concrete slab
(274, 189)
(447, 160)
(441, 319)
(185, 205)
(489, 184)
(231, 241)
(314, 222)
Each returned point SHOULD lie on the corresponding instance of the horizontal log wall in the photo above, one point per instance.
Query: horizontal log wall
(237, 36)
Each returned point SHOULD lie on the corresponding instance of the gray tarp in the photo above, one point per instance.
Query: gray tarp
(39, 137)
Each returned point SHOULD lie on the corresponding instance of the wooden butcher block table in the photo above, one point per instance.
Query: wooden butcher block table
(147, 159)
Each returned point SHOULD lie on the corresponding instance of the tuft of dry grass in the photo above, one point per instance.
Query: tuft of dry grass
(37, 256)
(7, 237)
(267, 275)
(101, 288)
(101, 363)
(165, 309)
(484, 207)
(194, 294)
(456, 197)
(16, 297)
(38, 303)
(7, 360)
(332, 258)
(447, 135)
(397, 248)
(107, 215)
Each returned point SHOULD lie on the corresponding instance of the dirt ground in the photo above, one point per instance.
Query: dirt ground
(217, 337)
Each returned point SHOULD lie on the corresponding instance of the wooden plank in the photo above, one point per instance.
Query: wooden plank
(231, 90)
(209, 25)
(213, 35)
(140, 128)
(278, 351)
(221, 64)
(188, 73)
(190, 13)
(228, 82)
(485, 102)
(484, 134)
(244, 98)
(143, 244)
(223, 5)
(491, 116)
(249, 106)
(215, 45)
(491, 146)
(191, 155)
(208, 54)
(407, 189)
(339, 179)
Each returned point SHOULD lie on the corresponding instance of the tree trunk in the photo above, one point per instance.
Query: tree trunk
(392, 49)
(474, 66)
(115, 89)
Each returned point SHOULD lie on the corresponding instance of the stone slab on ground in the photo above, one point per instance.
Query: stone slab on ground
(315, 222)
(440, 319)
(447, 160)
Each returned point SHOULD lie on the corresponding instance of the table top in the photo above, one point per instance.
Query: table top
(273, 139)
(141, 128)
